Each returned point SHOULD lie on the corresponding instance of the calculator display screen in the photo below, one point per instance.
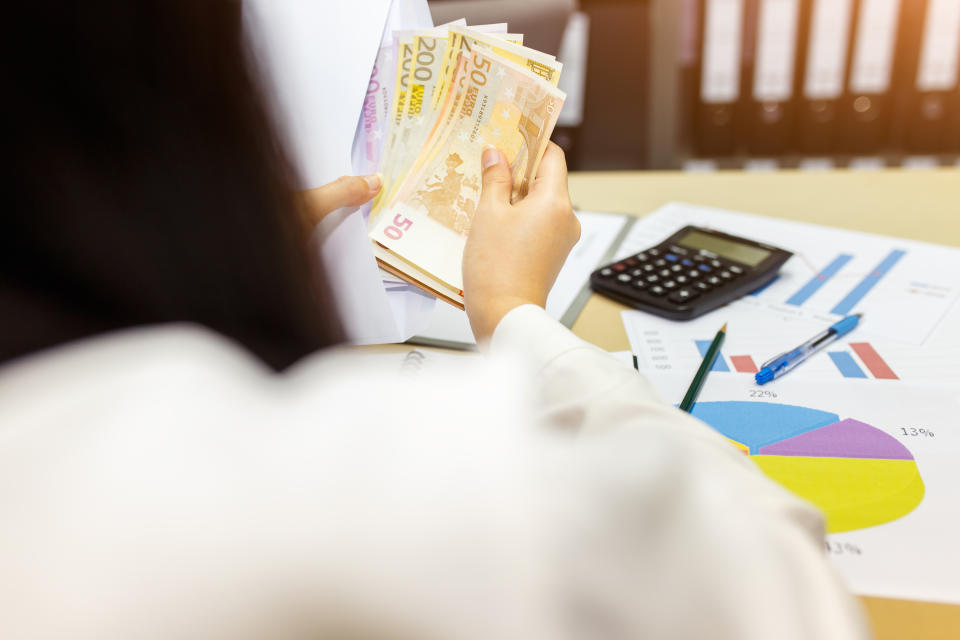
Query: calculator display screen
(751, 256)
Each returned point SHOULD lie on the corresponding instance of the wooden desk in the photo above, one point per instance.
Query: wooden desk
(922, 205)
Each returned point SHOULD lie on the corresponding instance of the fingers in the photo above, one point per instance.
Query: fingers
(348, 191)
(497, 181)
(549, 190)
(552, 173)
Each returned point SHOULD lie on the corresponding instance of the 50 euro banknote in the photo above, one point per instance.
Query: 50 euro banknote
(422, 231)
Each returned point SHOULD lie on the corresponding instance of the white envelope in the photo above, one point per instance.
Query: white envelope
(316, 57)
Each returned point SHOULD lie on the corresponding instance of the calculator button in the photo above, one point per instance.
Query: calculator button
(606, 273)
(676, 268)
(630, 262)
(656, 290)
(649, 267)
(619, 267)
(653, 278)
(716, 264)
(669, 285)
(682, 279)
(639, 284)
(693, 274)
(636, 273)
(661, 262)
(702, 286)
(624, 277)
(699, 258)
(714, 280)
(653, 252)
(665, 273)
(725, 275)
(735, 270)
(705, 268)
(641, 257)
(671, 257)
(687, 262)
(682, 295)
(678, 250)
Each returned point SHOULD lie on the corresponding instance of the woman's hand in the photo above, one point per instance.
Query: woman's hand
(348, 191)
(515, 251)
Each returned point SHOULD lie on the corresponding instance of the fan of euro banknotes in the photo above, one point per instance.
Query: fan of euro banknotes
(436, 99)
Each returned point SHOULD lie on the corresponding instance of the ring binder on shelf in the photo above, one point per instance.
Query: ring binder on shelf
(828, 27)
(771, 108)
(870, 102)
(931, 96)
(715, 120)
(863, 78)
(688, 60)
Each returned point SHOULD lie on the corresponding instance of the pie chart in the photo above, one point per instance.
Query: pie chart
(859, 475)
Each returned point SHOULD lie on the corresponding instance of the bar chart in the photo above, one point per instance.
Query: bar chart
(904, 293)
(867, 360)
(857, 293)
(853, 298)
(816, 282)
(846, 365)
(744, 364)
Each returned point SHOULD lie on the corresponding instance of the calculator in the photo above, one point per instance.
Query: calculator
(690, 273)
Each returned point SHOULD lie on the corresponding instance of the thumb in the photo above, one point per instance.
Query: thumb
(348, 191)
(497, 181)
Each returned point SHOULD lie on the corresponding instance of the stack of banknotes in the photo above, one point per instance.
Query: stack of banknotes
(454, 91)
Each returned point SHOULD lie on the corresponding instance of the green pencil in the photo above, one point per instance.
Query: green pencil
(704, 369)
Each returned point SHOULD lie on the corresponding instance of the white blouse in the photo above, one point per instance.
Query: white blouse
(162, 483)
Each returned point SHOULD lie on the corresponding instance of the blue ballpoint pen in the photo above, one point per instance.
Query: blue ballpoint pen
(780, 364)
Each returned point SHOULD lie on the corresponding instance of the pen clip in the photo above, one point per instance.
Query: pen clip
(785, 359)
(769, 363)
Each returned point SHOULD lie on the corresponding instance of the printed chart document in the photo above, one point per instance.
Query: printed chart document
(599, 235)
(908, 291)
(866, 429)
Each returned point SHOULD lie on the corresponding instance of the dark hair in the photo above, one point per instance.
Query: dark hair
(146, 183)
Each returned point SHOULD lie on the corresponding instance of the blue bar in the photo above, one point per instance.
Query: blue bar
(862, 289)
(819, 280)
(719, 364)
(757, 292)
(846, 364)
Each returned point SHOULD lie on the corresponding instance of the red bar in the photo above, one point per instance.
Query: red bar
(874, 362)
(743, 364)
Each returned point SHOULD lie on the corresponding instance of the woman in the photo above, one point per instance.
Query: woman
(158, 481)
